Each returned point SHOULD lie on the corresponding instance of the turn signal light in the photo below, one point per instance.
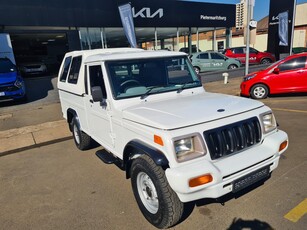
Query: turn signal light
(283, 145)
(204, 179)
(158, 140)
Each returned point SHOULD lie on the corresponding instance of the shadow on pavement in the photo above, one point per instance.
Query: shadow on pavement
(37, 88)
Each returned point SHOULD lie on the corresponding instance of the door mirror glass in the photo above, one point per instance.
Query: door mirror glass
(276, 71)
(97, 93)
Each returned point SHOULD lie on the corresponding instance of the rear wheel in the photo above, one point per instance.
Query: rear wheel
(159, 204)
(82, 140)
(266, 61)
(259, 91)
(232, 66)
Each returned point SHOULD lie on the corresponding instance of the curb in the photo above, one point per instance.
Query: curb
(16, 140)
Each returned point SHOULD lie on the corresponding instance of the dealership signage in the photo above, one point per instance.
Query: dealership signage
(277, 43)
(104, 13)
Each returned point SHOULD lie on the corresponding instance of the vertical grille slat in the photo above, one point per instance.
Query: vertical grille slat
(232, 138)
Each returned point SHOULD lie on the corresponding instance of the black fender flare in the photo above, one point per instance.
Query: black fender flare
(135, 147)
(70, 117)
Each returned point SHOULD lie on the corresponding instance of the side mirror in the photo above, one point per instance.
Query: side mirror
(276, 71)
(97, 93)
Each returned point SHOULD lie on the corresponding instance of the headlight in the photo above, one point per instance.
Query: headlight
(248, 77)
(18, 84)
(268, 122)
(189, 147)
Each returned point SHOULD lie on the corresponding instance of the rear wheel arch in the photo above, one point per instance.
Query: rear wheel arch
(70, 115)
(136, 148)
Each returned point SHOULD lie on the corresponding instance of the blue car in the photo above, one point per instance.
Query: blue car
(12, 86)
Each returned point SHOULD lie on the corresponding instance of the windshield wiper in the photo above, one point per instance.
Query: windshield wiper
(184, 85)
(146, 94)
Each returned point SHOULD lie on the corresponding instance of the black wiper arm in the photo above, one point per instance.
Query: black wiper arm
(184, 84)
(146, 94)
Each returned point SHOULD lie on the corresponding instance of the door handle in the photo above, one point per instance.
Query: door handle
(301, 71)
(91, 101)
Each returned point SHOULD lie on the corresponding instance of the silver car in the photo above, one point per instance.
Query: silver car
(210, 61)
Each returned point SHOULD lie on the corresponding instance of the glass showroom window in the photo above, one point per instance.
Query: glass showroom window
(84, 39)
(95, 38)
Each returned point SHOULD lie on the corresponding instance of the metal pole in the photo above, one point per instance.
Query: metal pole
(293, 25)
(247, 38)
(197, 37)
(156, 38)
(177, 39)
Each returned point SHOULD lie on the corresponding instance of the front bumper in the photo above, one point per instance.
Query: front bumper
(244, 87)
(13, 95)
(225, 171)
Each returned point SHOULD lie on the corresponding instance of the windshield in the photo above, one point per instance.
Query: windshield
(141, 77)
(6, 66)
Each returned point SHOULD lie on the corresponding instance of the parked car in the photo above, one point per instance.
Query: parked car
(186, 49)
(208, 61)
(12, 85)
(297, 50)
(31, 66)
(255, 56)
(288, 75)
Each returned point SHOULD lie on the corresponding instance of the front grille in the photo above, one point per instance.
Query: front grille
(8, 87)
(232, 138)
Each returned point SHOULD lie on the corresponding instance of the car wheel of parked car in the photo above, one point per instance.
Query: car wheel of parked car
(159, 204)
(259, 91)
(266, 61)
(197, 69)
(82, 140)
(232, 66)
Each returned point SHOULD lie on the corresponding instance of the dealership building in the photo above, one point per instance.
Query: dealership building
(48, 29)
(51, 28)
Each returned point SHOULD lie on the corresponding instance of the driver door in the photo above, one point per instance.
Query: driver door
(98, 113)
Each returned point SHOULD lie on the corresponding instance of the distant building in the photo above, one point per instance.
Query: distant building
(241, 14)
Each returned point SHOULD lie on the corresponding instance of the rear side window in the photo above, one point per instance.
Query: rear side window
(74, 70)
(216, 56)
(238, 50)
(65, 69)
(295, 63)
(203, 56)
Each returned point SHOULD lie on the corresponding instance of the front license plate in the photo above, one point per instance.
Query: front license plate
(2, 94)
(249, 179)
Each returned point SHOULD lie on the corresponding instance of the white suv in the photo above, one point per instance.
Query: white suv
(177, 142)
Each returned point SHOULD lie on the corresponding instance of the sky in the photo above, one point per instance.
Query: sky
(261, 8)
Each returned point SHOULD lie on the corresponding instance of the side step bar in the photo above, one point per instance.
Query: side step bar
(109, 158)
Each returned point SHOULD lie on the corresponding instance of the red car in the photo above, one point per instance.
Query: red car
(288, 75)
(255, 56)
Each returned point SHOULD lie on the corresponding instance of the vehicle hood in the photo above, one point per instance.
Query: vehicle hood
(8, 77)
(188, 110)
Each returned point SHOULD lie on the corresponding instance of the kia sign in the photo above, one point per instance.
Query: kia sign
(104, 13)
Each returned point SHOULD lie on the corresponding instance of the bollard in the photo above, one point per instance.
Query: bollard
(225, 75)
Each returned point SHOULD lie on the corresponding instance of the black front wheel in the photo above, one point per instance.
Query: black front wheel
(159, 204)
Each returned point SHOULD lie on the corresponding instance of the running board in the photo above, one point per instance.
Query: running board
(108, 158)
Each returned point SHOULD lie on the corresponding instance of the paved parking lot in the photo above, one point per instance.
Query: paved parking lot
(59, 187)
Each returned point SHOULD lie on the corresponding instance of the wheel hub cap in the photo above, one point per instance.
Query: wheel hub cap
(147, 192)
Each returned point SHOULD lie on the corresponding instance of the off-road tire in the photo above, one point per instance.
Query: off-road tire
(259, 91)
(82, 140)
(148, 181)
